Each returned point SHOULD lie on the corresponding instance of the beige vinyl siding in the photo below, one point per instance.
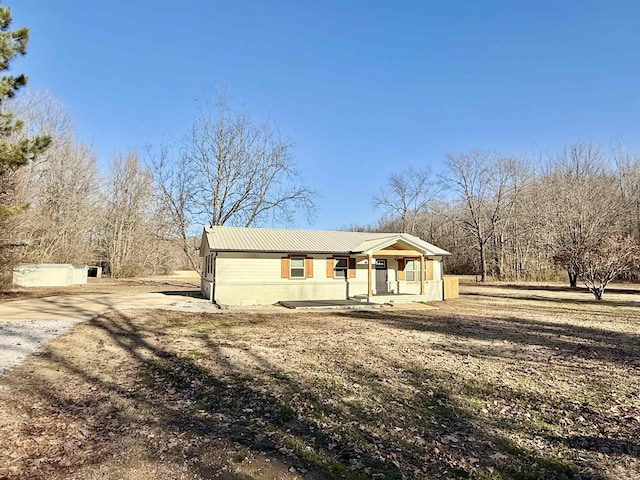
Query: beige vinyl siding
(257, 279)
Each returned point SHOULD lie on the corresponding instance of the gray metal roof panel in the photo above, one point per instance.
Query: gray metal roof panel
(243, 239)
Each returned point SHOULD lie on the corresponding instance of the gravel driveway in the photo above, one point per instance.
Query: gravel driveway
(25, 325)
(20, 339)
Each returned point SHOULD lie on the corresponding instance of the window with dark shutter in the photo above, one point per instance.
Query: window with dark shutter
(341, 267)
(401, 275)
(352, 267)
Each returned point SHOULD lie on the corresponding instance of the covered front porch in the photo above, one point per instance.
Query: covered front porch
(400, 271)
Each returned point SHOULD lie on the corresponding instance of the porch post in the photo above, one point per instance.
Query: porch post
(369, 265)
(422, 273)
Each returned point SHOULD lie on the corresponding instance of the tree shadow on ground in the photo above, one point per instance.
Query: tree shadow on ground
(605, 445)
(204, 400)
(190, 402)
(568, 338)
(612, 288)
(562, 301)
(182, 293)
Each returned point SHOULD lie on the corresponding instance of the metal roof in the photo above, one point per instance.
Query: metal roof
(243, 239)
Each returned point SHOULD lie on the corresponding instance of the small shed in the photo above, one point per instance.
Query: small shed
(49, 275)
(80, 274)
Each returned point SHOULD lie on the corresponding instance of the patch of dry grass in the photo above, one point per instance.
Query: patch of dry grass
(503, 383)
(178, 283)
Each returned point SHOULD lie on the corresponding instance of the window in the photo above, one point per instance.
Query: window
(207, 264)
(412, 270)
(297, 267)
(341, 267)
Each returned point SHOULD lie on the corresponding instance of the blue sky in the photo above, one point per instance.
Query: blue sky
(363, 88)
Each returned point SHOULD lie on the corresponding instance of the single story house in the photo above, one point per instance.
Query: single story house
(262, 266)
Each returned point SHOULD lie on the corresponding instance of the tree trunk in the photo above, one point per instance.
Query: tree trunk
(573, 279)
(483, 263)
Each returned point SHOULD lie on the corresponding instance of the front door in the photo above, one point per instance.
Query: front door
(381, 276)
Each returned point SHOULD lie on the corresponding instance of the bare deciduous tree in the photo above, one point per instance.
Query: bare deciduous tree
(60, 186)
(407, 196)
(174, 181)
(126, 227)
(628, 172)
(582, 203)
(62, 216)
(229, 171)
(519, 219)
(483, 182)
(603, 260)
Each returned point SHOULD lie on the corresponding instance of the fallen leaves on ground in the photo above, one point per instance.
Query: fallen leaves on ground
(486, 387)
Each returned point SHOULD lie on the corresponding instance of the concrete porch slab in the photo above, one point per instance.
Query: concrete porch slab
(392, 299)
(413, 306)
(310, 304)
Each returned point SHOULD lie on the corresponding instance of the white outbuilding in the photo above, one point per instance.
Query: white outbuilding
(49, 275)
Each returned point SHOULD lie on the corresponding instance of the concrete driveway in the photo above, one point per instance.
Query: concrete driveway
(26, 324)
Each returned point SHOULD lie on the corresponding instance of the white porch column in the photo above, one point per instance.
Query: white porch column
(422, 274)
(369, 269)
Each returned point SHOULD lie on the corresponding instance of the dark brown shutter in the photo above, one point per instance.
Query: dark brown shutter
(352, 267)
(401, 275)
(330, 267)
(308, 267)
(284, 267)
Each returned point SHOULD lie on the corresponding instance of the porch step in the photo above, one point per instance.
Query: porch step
(396, 298)
(359, 298)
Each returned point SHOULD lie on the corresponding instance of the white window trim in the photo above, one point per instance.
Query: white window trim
(415, 270)
(336, 269)
(304, 268)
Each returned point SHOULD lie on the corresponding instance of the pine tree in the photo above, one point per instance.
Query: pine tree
(15, 152)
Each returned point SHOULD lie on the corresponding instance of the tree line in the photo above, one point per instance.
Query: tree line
(511, 218)
(504, 217)
(144, 213)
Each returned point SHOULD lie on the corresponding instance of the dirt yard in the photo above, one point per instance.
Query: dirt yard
(505, 383)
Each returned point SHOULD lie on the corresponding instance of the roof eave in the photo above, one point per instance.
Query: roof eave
(317, 252)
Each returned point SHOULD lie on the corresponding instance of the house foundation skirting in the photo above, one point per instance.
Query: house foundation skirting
(394, 298)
